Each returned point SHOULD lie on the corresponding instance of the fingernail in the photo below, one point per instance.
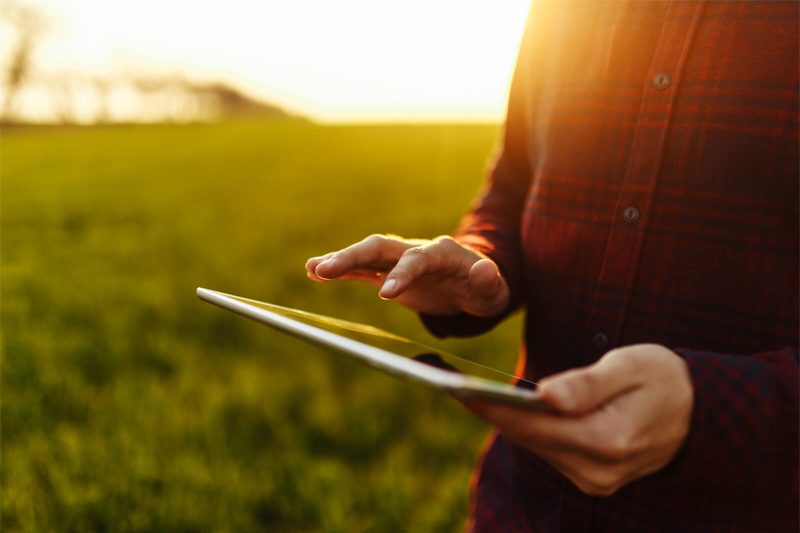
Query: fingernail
(327, 264)
(388, 287)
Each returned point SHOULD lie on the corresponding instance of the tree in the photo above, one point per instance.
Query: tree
(30, 25)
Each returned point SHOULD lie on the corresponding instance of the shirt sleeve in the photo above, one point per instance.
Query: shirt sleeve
(744, 428)
(492, 225)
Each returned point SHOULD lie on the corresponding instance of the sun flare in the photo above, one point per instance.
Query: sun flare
(351, 60)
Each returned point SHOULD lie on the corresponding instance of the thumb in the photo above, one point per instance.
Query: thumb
(586, 389)
(487, 284)
(484, 278)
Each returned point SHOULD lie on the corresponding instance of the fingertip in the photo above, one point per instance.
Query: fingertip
(311, 264)
(484, 277)
(313, 277)
(326, 269)
(486, 264)
(558, 394)
(388, 290)
(321, 277)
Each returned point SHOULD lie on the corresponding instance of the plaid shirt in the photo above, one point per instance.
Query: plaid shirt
(647, 191)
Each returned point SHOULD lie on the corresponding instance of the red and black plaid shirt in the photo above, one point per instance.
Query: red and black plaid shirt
(647, 191)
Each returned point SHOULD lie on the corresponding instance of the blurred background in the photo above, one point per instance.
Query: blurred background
(153, 147)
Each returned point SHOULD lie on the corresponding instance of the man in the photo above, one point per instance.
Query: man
(644, 211)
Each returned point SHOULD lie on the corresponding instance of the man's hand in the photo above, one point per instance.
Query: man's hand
(618, 420)
(438, 277)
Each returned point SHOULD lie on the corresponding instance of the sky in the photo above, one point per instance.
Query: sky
(335, 60)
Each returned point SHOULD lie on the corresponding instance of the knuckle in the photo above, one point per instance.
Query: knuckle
(414, 261)
(344, 255)
(615, 352)
(635, 362)
(375, 238)
(365, 251)
(633, 355)
(446, 241)
(416, 253)
(588, 380)
(444, 252)
(617, 447)
(614, 356)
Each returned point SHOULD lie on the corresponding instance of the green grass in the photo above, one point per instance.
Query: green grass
(130, 405)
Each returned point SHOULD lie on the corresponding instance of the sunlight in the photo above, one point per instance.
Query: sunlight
(351, 60)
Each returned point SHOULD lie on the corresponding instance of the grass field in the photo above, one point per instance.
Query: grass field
(130, 405)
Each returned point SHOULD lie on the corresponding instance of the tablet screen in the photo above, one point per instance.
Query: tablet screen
(392, 343)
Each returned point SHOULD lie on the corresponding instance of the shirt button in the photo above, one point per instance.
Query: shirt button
(661, 81)
(630, 215)
(600, 340)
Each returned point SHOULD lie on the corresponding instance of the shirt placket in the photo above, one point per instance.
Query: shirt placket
(633, 207)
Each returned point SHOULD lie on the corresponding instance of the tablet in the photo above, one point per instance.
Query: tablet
(387, 352)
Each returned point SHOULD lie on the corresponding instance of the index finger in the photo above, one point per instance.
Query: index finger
(311, 264)
(376, 251)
